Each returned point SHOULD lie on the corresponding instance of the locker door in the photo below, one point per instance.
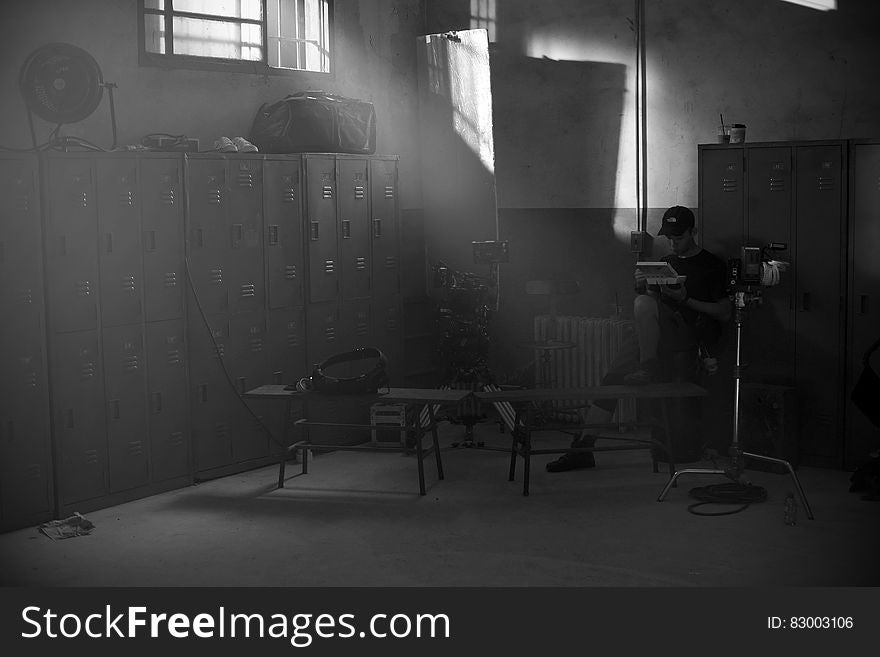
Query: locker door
(71, 244)
(769, 331)
(356, 324)
(126, 403)
(119, 240)
(387, 334)
(161, 195)
(211, 399)
(287, 345)
(864, 308)
(320, 186)
(284, 246)
(323, 332)
(722, 200)
(248, 368)
(79, 418)
(244, 177)
(167, 396)
(25, 457)
(385, 226)
(354, 227)
(207, 232)
(21, 247)
(819, 295)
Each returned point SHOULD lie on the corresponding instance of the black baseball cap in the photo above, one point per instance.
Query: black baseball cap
(676, 220)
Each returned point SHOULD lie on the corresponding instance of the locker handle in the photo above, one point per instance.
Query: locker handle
(273, 235)
(200, 237)
(863, 304)
(108, 242)
(157, 402)
(237, 233)
(203, 392)
(377, 228)
(346, 229)
(114, 409)
(315, 230)
(805, 302)
(68, 419)
(242, 385)
(151, 240)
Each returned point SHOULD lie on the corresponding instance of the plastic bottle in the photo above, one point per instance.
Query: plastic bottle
(790, 510)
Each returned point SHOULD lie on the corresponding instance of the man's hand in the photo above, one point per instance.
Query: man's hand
(676, 294)
(641, 279)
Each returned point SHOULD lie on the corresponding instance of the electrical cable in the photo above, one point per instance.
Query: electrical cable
(226, 374)
(733, 493)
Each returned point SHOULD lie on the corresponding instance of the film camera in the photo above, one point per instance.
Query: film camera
(755, 268)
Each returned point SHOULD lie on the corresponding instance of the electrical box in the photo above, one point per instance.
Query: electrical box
(637, 241)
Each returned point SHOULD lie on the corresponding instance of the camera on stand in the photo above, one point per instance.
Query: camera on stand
(755, 269)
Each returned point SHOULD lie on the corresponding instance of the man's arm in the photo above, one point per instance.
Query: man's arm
(717, 310)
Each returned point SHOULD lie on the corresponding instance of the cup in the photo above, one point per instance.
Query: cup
(723, 134)
(737, 133)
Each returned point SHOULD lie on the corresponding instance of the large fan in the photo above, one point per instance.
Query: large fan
(62, 83)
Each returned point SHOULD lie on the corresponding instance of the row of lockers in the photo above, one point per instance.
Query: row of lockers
(174, 284)
(117, 233)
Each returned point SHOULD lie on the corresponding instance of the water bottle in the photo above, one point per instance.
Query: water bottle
(790, 510)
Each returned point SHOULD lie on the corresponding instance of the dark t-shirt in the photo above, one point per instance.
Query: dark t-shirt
(706, 281)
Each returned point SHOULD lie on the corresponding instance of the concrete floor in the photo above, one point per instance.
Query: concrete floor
(357, 520)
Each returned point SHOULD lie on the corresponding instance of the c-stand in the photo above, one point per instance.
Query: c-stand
(742, 298)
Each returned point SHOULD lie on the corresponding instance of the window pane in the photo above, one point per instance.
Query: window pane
(232, 8)
(205, 38)
(154, 4)
(154, 33)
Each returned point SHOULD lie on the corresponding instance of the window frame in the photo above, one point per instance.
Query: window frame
(200, 63)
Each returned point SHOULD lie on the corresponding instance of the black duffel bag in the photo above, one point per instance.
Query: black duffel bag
(315, 122)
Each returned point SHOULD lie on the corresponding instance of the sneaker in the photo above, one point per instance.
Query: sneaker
(573, 460)
(243, 145)
(225, 145)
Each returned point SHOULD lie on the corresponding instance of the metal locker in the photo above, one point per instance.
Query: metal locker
(119, 240)
(320, 218)
(79, 417)
(768, 332)
(722, 199)
(282, 204)
(354, 226)
(244, 176)
(71, 239)
(356, 324)
(819, 289)
(125, 384)
(287, 345)
(21, 263)
(384, 227)
(323, 332)
(162, 239)
(167, 399)
(864, 298)
(249, 368)
(207, 232)
(386, 332)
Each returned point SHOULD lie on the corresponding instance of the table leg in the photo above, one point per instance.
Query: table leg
(435, 439)
(285, 451)
(420, 457)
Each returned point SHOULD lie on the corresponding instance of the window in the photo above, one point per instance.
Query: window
(240, 35)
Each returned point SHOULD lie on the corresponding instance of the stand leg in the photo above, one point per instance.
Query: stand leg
(436, 441)
(514, 434)
(420, 455)
(797, 483)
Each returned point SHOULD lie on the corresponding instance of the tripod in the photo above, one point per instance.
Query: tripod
(742, 299)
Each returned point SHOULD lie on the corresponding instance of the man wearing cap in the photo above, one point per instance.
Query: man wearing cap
(674, 323)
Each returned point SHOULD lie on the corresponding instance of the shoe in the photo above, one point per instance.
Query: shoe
(225, 145)
(243, 145)
(573, 460)
(644, 375)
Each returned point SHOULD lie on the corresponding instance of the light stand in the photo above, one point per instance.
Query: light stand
(742, 299)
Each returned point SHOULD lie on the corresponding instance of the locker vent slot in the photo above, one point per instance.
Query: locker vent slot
(83, 288)
(176, 438)
(729, 185)
(30, 379)
(245, 178)
(327, 191)
(216, 276)
(167, 197)
(389, 191)
(130, 363)
(248, 290)
(26, 297)
(290, 272)
(826, 183)
(256, 344)
(90, 456)
(360, 263)
(126, 199)
(330, 333)
(34, 472)
(172, 357)
(292, 339)
(390, 262)
(361, 328)
(221, 430)
(214, 197)
(288, 195)
(84, 199)
(128, 283)
(329, 266)
(391, 324)
(777, 184)
(87, 371)
(219, 350)
(359, 191)
(170, 279)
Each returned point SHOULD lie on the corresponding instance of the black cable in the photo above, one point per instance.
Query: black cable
(742, 495)
(223, 364)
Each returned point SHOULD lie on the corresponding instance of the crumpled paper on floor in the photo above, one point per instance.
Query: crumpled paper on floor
(75, 525)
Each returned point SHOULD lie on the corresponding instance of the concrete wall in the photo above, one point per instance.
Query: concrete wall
(563, 83)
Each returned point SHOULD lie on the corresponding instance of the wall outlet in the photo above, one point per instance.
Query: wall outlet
(637, 241)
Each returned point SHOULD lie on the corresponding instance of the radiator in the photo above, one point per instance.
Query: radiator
(597, 343)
